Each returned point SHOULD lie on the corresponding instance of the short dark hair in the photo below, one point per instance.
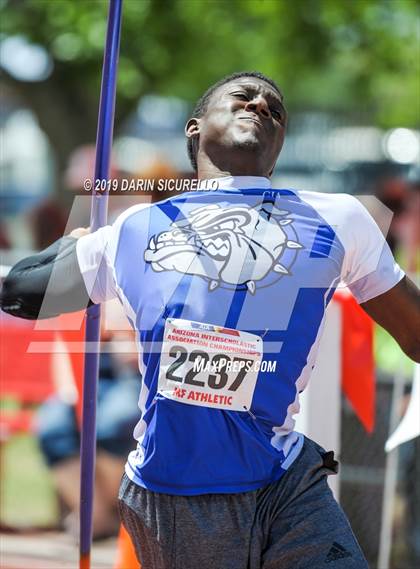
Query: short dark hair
(203, 103)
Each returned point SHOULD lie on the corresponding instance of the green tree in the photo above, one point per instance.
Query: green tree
(353, 56)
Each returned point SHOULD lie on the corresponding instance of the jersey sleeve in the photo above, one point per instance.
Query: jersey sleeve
(369, 268)
(94, 255)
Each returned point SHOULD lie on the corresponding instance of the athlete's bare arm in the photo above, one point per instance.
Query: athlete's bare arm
(398, 311)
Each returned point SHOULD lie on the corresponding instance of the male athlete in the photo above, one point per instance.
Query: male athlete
(227, 291)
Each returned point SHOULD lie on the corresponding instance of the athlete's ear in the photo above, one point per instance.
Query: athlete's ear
(192, 128)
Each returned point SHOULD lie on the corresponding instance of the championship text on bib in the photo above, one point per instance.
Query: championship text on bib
(207, 365)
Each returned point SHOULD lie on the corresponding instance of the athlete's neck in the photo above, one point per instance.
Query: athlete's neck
(207, 170)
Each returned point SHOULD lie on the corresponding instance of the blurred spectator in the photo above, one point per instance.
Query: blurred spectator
(409, 226)
(409, 467)
(117, 414)
(402, 197)
(393, 193)
(4, 239)
(48, 223)
(81, 167)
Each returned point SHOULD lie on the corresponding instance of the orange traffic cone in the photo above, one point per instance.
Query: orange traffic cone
(126, 556)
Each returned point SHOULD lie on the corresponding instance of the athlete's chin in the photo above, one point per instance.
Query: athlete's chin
(248, 142)
(248, 135)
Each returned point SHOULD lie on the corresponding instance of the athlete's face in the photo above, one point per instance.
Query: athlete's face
(245, 119)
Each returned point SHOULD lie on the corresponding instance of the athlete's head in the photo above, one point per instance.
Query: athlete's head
(238, 125)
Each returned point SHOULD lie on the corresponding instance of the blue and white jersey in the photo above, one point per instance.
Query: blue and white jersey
(227, 292)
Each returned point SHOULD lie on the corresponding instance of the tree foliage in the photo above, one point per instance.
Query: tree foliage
(353, 56)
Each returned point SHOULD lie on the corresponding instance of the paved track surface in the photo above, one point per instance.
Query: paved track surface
(51, 550)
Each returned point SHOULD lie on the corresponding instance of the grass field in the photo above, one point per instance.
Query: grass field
(27, 497)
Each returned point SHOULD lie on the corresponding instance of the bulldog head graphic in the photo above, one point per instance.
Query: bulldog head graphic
(233, 244)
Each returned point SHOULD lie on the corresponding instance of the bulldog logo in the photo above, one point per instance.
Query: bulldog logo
(234, 245)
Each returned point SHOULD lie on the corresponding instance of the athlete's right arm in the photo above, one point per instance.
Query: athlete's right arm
(48, 283)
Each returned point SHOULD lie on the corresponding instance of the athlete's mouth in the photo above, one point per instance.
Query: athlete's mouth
(251, 118)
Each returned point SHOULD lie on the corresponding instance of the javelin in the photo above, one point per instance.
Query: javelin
(98, 217)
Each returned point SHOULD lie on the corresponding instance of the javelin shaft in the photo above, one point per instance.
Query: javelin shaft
(98, 218)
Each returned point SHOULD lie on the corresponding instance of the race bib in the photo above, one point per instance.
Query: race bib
(208, 365)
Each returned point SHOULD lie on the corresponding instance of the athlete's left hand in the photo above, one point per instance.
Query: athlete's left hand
(80, 232)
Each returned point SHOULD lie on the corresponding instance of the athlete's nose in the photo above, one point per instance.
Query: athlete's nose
(258, 105)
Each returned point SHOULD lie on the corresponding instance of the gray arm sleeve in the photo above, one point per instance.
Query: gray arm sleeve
(46, 284)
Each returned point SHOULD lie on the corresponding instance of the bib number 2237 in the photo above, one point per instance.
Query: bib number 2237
(207, 365)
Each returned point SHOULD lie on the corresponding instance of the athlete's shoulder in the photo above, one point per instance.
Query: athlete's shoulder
(327, 199)
(134, 213)
(334, 207)
(128, 213)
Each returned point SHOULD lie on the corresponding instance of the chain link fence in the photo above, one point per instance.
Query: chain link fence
(363, 467)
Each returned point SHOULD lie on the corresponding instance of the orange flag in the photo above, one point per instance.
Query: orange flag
(357, 360)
